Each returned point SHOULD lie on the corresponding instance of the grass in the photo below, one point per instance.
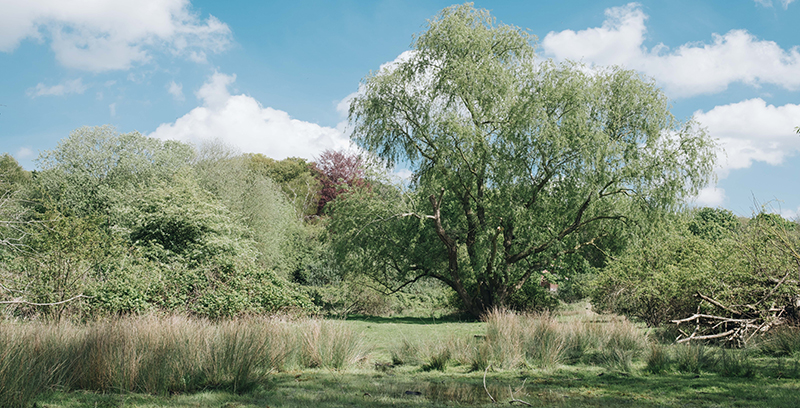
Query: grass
(568, 386)
(560, 361)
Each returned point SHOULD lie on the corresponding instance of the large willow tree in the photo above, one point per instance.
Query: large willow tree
(516, 161)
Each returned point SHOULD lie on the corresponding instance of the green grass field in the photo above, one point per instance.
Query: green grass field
(373, 381)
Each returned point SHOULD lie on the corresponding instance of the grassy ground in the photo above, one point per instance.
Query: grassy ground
(564, 387)
(373, 382)
(385, 334)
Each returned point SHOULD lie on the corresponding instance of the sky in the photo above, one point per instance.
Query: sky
(275, 77)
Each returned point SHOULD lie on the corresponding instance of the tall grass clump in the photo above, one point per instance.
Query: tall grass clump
(539, 340)
(30, 356)
(433, 354)
(735, 363)
(783, 341)
(328, 344)
(515, 340)
(693, 358)
(659, 359)
(620, 343)
(161, 355)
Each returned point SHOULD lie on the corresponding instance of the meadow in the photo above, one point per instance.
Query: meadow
(573, 358)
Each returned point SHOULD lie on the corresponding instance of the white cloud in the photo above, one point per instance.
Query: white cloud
(768, 3)
(241, 121)
(64, 88)
(691, 69)
(24, 153)
(404, 175)
(112, 109)
(711, 196)
(176, 90)
(790, 214)
(101, 35)
(751, 131)
(343, 106)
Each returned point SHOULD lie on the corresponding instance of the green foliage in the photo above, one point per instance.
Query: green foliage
(13, 213)
(295, 177)
(94, 166)
(655, 279)
(12, 175)
(62, 256)
(713, 223)
(516, 162)
(127, 224)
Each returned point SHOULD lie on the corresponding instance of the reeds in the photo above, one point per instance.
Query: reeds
(540, 341)
(162, 355)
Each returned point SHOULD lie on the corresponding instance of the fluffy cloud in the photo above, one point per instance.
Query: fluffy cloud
(176, 90)
(790, 214)
(64, 88)
(101, 35)
(691, 69)
(711, 196)
(241, 121)
(24, 153)
(751, 131)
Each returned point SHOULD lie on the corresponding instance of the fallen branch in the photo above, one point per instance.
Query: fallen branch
(718, 304)
(513, 400)
(712, 317)
(708, 337)
(484, 384)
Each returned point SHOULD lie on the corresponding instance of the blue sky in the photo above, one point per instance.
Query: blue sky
(273, 77)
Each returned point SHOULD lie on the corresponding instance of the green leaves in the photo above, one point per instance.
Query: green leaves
(532, 159)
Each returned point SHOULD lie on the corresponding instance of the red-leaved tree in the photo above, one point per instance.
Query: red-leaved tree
(335, 170)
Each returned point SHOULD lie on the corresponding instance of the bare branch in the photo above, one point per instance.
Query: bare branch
(494, 401)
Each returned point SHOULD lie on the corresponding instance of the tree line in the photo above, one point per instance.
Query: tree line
(521, 168)
(121, 223)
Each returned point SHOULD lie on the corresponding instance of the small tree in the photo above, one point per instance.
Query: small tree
(335, 171)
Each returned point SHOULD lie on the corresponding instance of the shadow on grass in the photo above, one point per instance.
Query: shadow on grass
(454, 318)
(569, 387)
(565, 388)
